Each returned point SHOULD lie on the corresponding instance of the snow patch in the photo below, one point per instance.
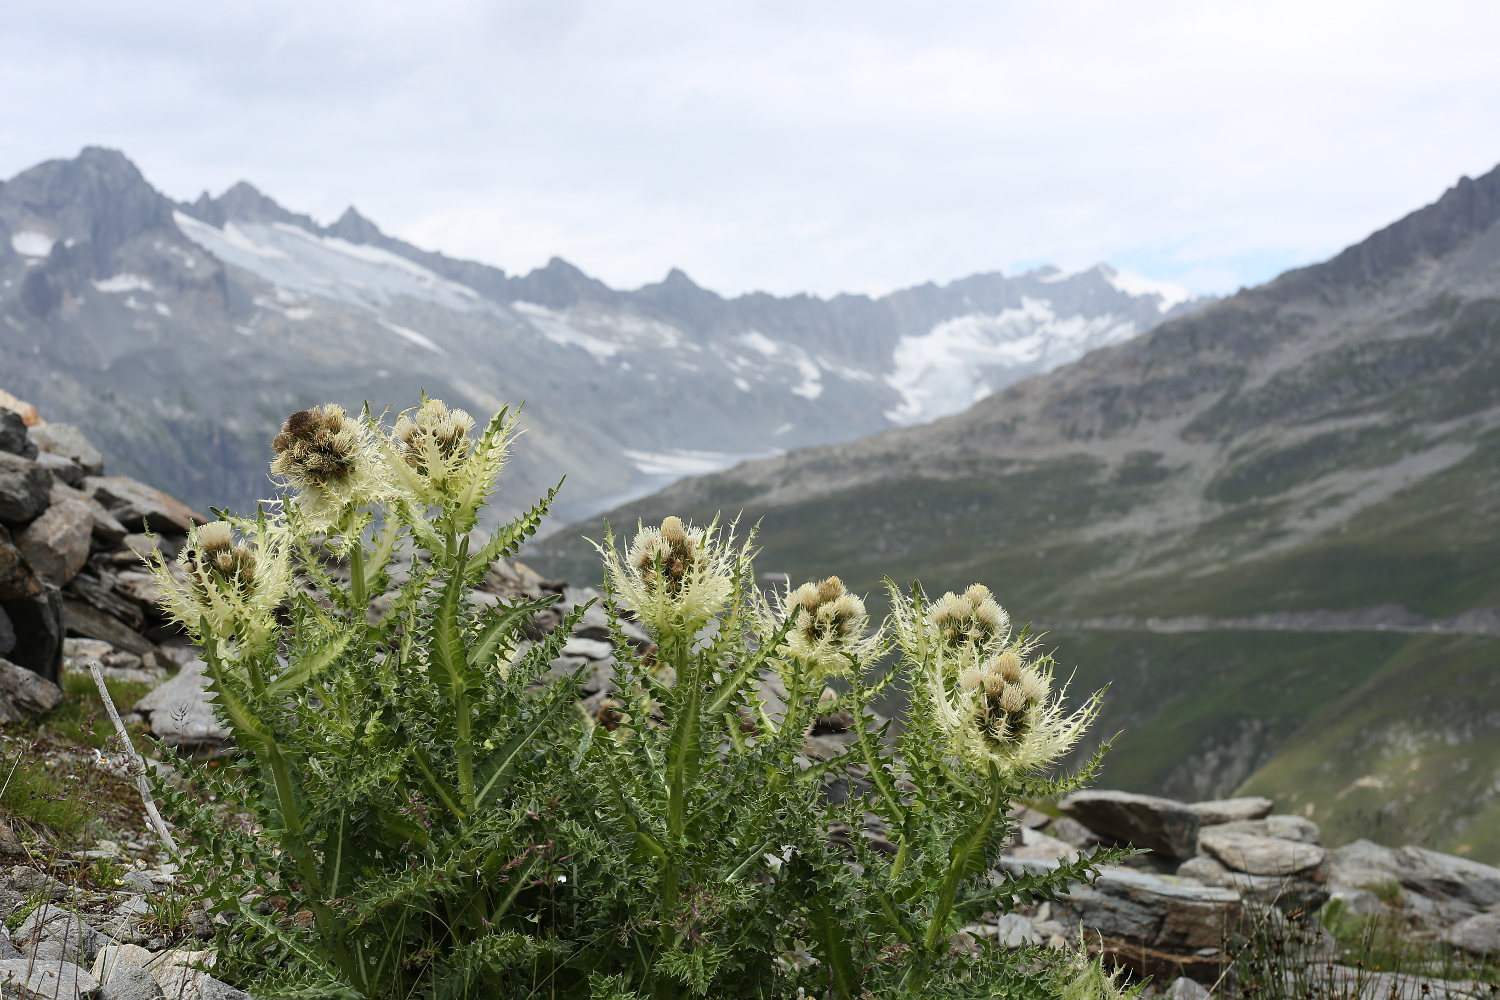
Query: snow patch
(298, 261)
(556, 328)
(812, 385)
(962, 360)
(421, 340)
(124, 283)
(681, 462)
(1133, 284)
(30, 243)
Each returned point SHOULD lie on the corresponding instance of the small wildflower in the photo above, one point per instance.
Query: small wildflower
(329, 459)
(675, 576)
(828, 637)
(235, 584)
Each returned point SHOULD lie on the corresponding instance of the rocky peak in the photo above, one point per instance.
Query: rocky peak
(85, 209)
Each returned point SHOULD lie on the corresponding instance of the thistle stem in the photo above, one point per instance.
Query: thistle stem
(973, 840)
(357, 574)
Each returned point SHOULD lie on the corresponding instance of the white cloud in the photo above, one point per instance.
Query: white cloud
(820, 147)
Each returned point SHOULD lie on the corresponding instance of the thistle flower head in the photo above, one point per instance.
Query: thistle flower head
(828, 637)
(675, 576)
(1003, 710)
(232, 575)
(329, 459)
(969, 619)
(434, 459)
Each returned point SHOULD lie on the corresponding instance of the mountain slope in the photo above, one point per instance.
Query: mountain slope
(179, 335)
(1328, 441)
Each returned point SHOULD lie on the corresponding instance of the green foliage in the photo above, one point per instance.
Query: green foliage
(419, 809)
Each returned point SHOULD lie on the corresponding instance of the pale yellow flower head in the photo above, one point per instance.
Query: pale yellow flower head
(676, 576)
(971, 619)
(330, 460)
(1004, 711)
(829, 635)
(433, 457)
(233, 575)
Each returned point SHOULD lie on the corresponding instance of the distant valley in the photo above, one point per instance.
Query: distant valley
(1323, 449)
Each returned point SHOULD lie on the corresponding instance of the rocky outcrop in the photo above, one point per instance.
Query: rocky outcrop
(1163, 826)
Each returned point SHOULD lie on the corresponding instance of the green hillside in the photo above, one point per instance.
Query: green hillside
(1329, 442)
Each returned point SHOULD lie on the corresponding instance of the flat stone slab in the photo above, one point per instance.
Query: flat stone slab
(1156, 910)
(1447, 876)
(1165, 826)
(1230, 810)
(1246, 852)
(1283, 827)
(24, 979)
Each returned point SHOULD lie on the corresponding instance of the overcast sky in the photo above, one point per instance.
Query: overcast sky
(787, 146)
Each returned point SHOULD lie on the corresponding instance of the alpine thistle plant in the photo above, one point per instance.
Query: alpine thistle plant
(438, 818)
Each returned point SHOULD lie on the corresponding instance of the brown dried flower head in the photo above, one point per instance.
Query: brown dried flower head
(327, 457)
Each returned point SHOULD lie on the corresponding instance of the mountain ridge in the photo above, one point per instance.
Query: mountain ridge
(180, 334)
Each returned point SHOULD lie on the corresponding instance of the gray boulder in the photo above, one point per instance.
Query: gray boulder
(181, 712)
(68, 441)
(63, 469)
(13, 436)
(25, 488)
(57, 543)
(125, 971)
(1162, 825)
(1357, 901)
(1446, 876)
(1156, 911)
(1230, 810)
(17, 579)
(1071, 831)
(39, 628)
(1282, 827)
(24, 979)
(1265, 889)
(140, 507)
(1246, 852)
(1183, 988)
(78, 941)
(1479, 934)
(1363, 864)
(24, 693)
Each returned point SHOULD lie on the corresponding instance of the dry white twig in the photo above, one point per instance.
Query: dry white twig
(141, 784)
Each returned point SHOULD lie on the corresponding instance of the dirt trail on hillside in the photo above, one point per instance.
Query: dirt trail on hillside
(1385, 618)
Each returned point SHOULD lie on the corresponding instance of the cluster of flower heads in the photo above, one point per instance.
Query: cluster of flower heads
(233, 574)
(828, 635)
(675, 576)
(969, 621)
(1007, 692)
(232, 583)
(993, 705)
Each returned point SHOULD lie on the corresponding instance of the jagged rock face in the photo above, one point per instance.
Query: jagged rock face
(178, 337)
